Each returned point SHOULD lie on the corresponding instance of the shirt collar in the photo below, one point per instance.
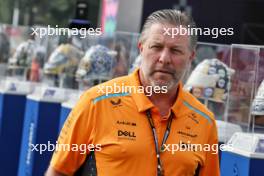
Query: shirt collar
(141, 100)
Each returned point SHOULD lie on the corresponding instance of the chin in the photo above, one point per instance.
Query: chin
(161, 83)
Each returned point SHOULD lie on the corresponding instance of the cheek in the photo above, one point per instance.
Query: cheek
(180, 62)
(148, 53)
(150, 58)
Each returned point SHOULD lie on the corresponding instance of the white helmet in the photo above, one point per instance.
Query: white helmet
(23, 55)
(210, 80)
(258, 102)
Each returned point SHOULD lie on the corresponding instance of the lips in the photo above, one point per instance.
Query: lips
(163, 71)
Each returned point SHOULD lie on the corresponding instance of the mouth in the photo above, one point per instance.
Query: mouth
(163, 72)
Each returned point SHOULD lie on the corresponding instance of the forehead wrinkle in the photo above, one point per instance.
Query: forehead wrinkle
(156, 35)
(162, 41)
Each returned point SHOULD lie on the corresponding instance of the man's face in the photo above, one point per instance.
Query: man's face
(165, 59)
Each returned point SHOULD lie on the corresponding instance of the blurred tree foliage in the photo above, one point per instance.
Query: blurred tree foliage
(43, 12)
(56, 12)
(6, 10)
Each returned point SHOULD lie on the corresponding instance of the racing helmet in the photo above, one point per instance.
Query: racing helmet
(23, 55)
(210, 80)
(64, 59)
(258, 102)
(97, 63)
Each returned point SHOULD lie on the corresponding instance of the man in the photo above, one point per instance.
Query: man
(140, 134)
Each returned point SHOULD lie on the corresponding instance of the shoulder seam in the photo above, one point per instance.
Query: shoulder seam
(198, 111)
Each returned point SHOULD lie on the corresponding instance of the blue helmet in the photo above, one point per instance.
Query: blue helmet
(98, 63)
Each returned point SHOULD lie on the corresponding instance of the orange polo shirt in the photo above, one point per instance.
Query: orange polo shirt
(118, 123)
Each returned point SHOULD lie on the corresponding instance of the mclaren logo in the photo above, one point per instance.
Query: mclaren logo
(116, 103)
(127, 134)
(122, 122)
(187, 134)
(193, 117)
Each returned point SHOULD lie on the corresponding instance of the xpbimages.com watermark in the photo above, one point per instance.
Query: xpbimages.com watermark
(185, 147)
(50, 31)
(172, 148)
(147, 90)
(183, 30)
(81, 148)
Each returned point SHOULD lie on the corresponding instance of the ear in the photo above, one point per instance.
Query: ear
(193, 54)
(140, 47)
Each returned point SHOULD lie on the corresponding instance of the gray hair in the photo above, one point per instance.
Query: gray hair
(169, 16)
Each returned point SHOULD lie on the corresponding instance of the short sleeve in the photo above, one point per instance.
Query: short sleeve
(211, 165)
(75, 136)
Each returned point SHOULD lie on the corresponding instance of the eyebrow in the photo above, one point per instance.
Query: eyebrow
(160, 43)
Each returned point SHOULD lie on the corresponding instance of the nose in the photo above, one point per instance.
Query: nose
(165, 57)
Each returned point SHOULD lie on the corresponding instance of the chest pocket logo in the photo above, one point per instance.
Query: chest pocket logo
(126, 134)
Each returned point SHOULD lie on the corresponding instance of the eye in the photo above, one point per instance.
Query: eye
(156, 47)
(177, 51)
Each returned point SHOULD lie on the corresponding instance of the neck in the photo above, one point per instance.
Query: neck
(165, 98)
